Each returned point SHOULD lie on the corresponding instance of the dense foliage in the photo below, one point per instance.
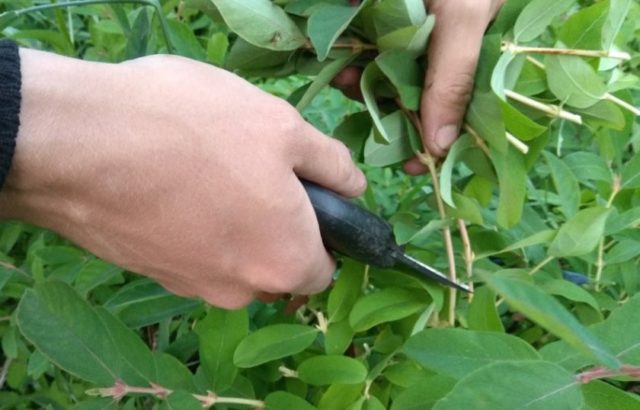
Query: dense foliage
(537, 205)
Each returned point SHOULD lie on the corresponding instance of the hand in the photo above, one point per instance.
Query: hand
(452, 55)
(178, 171)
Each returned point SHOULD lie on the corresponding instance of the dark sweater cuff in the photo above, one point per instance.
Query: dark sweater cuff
(10, 86)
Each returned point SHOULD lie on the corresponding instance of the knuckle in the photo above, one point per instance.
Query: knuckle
(456, 92)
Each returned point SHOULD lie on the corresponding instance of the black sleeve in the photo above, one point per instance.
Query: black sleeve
(10, 86)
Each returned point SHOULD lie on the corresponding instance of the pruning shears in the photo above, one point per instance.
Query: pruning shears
(355, 232)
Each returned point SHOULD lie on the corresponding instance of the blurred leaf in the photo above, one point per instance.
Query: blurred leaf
(219, 334)
(391, 15)
(273, 342)
(138, 38)
(386, 305)
(423, 394)
(180, 400)
(551, 315)
(532, 80)
(331, 369)
(399, 131)
(405, 75)
(583, 30)
(580, 234)
(457, 352)
(412, 39)
(570, 291)
(323, 79)
(507, 385)
(587, 166)
(566, 184)
(371, 76)
(603, 113)
(354, 130)
(217, 49)
(620, 331)
(261, 23)
(574, 81)
(463, 143)
(246, 56)
(536, 16)
(327, 23)
(338, 337)
(485, 116)
(511, 176)
(144, 302)
(184, 41)
(625, 250)
(105, 403)
(281, 400)
(618, 11)
(599, 395)
(631, 173)
(519, 124)
(483, 314)
(346, 290)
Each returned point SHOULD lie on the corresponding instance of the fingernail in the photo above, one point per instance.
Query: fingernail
(446, 136)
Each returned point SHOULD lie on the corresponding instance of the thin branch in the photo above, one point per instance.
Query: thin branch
(468, 254)
(549, 109)
(623, 104)
(4, 371)
(515, 49)
(477, 138)
(600, 263)
(603, 373)
(517, 144)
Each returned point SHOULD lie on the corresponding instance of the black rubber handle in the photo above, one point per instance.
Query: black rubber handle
(355, 232)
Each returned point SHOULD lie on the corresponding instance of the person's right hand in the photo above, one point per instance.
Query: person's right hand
(178, 171)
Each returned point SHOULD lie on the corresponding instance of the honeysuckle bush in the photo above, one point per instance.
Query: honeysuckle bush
(537, 206)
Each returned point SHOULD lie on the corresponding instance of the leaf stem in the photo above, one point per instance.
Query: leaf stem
(600, 263)
(468, 254)
(540, 265)
(478, 139)
(623, 104)
(517, 144)
(515, 49)
(549, 109)
(603, 373)
(4, 371)
(13, 14)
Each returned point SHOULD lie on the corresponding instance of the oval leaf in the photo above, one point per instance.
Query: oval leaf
(273, 342)
(323, 370)
(385, 306)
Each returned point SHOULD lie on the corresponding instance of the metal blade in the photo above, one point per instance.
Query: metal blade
(429, 272)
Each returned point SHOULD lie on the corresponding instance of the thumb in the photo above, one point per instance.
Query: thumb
(328, 162)
(452, 55)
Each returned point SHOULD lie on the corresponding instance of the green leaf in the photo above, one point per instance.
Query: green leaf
(219, 334)
(599, 395)
(138, 38)
(281, 400)
(346, 290)
(536, 16)
(371, 76)
(457, 352)
(462, 144)
(405, 75)
(631, 173)
(332, 369)
(94, 274)
(338, 337)
(511, 177)
(340, 396)
(618, 11)
(508, 385)
(412, 39)
(583, 30)
(322, 80)
(580, 234)
(354, 130)
(60, 255)
(391, 15)
(587, 166)
(326, 23)
(541, 237)
(424, 393)
(399, 131)
(485, 117)
(386, 305)
(172, 373)
(273, 342)
(483, 314)
(566, 184)
(621, 331)
(574, 81)
(623, 251)
(105, 403)
(245, 56)
(184, 41)
(217, 49)
(90, 344)
(180, 400)
(547, 312)
(144, 302)
(519, 124)
(571, 291)
(603, 113)
(532, 80)
(261, 23)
